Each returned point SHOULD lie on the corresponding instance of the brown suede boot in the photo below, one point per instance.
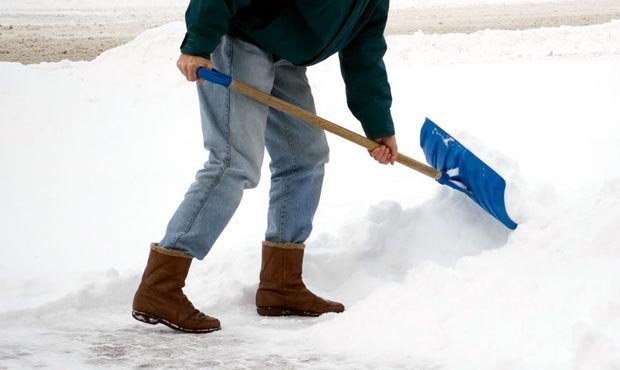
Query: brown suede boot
(281, 291)
(160, 297)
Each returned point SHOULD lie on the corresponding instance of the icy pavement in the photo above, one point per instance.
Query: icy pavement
(109, 338)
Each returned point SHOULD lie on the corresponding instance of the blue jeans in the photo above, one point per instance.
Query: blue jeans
(236, 130)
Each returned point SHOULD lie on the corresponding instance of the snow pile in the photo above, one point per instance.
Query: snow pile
(504, 46)
(548, 299)
(96, 156)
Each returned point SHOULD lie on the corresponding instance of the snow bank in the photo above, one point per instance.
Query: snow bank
(493, 46)
(542, 301)
(95, 157)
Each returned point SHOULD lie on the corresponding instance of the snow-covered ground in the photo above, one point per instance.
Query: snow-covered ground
(95, 156)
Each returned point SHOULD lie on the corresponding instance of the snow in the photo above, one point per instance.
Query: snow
(96, 155)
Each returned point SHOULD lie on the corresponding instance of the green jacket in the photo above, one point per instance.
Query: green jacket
(305, 32)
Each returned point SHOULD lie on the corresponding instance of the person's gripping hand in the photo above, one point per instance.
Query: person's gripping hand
(387, 152)
(188, 64)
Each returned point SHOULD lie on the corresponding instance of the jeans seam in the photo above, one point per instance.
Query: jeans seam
(286, 178)
(230, 55)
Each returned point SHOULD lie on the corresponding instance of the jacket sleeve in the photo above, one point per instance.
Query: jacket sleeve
(368, 91)
(207, 21)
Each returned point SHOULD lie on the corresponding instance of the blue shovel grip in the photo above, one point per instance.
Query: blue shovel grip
(214, 76)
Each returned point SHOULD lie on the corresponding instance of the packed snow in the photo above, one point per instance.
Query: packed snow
(96, 155)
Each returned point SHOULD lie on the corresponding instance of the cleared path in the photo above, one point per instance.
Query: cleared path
(507, 17)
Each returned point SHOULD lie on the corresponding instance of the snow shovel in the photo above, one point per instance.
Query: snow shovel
(452, 164)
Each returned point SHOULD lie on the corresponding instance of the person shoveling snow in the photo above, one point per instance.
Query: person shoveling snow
(270, 51)
(268, 46)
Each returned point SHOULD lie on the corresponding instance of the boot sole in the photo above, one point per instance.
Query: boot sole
(154, 320)
(279, 311)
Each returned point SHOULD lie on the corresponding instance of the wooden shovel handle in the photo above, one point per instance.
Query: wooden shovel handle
(326, 125)
(222, 79)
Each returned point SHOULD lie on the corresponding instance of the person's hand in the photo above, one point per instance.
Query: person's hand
(387, 152)
(188, 64)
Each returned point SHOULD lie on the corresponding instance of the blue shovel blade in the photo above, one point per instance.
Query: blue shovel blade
(465, 172)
